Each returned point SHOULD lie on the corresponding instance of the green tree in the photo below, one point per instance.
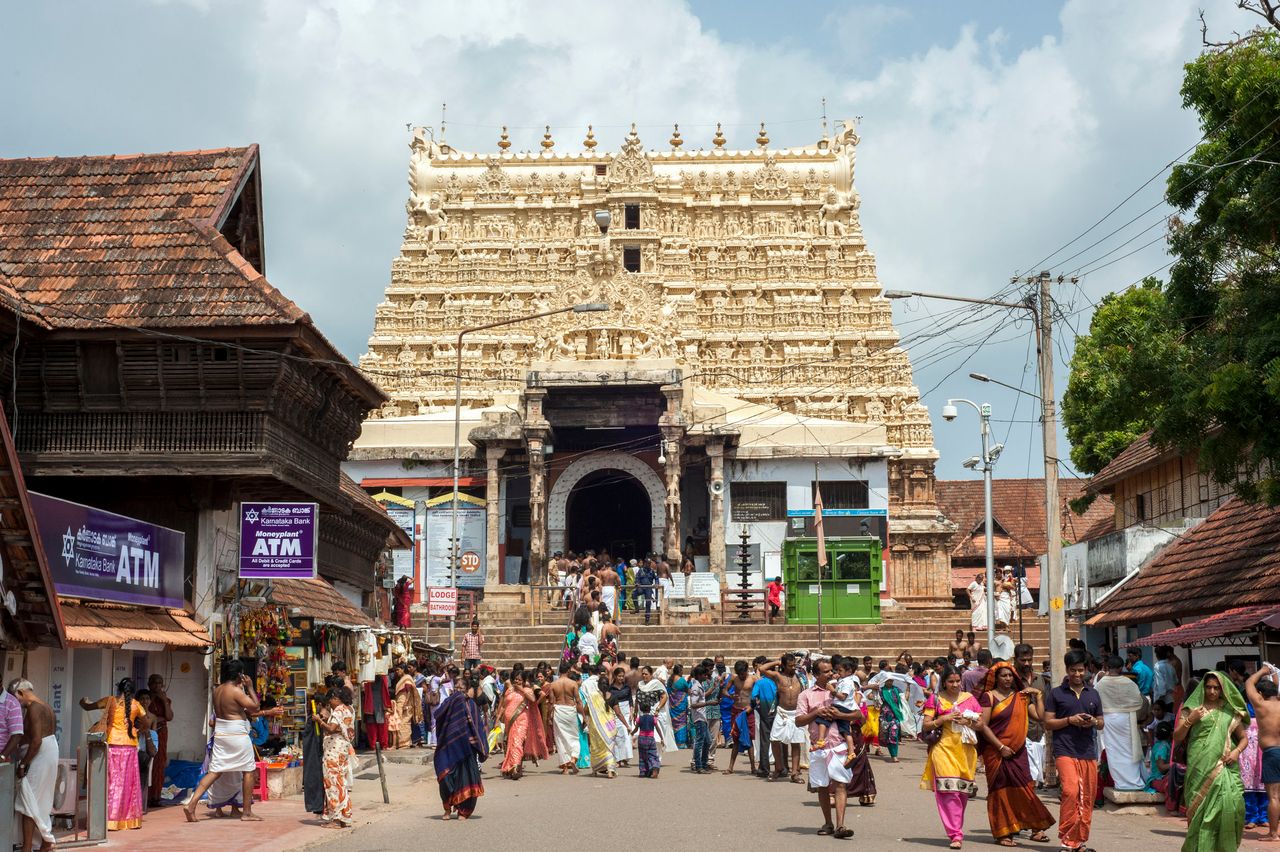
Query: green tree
(1224, 286)
(1120, 373)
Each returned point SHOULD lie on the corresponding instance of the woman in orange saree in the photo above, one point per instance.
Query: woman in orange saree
(1012, 804)
(522, 722)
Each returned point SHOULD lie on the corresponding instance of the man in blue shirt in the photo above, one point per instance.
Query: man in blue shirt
(1141, 671)
(621, 568)
(1073, 711)
(646, 581)
(764, 697)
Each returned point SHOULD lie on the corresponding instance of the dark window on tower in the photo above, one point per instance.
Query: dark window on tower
(631, 258)
(601, 169)
(631, 217)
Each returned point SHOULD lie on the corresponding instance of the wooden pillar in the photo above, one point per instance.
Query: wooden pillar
(493, 516)
(716, 488)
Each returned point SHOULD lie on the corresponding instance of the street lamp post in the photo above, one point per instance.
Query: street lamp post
(1039, 305)
(987, 460)
(454, 544)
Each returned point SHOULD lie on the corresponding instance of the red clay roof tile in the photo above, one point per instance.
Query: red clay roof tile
(1232, 559)
(132, 240)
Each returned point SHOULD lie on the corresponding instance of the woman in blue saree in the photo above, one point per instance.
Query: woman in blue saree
(461, 746)
(678, 699)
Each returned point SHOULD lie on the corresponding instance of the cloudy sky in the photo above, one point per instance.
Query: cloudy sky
(993, 132)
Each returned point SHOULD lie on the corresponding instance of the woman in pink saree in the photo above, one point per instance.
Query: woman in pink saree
(519, 715)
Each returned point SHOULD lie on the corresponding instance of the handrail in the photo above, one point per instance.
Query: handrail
(744, 605)
(543, 595)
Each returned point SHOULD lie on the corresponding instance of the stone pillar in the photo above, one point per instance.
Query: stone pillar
(715, 488)
(536, 434)
(673, 446)
(919, 562)
(671, 427)
(493, 516)
(535, 438)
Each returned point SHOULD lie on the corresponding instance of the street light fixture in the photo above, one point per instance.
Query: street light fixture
(983, 377)
(987, 461)
(454, 544)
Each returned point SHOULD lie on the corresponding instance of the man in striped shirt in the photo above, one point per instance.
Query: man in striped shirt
(472, 642)
(10, 725)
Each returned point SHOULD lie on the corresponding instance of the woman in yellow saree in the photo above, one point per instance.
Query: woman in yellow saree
(954, 718)
(602, 726)
(1214, 722)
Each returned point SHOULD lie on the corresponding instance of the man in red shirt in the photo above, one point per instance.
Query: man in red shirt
(775, 597)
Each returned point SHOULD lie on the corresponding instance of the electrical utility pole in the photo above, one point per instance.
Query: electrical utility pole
(1053, 583)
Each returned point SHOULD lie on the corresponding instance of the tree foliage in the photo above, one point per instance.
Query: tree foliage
(1198, 360)
(1224, 286)
(1118, 374)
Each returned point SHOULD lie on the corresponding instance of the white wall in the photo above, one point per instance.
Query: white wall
(798, 474)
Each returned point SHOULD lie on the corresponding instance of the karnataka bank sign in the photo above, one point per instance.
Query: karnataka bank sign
(103, 556)
(278, 540)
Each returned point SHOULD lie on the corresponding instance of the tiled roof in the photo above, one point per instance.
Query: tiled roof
(1241, 619)
(1017, 509)
(1139, 455)
(132, 240)
(320, 600)
(1232, 559)
(94, 624)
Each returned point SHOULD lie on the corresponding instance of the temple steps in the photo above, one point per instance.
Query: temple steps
(924, 633)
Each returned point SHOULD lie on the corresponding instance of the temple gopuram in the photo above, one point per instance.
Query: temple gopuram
(746, 354)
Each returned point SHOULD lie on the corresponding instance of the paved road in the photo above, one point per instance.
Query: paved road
(545, 811)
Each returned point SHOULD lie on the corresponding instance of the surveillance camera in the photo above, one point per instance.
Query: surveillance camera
(971, 463)
(995, 451)
(949, 413)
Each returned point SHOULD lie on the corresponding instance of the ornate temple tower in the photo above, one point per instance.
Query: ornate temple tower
(746, 269)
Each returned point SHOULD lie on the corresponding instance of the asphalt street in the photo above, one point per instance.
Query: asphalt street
(545, 811)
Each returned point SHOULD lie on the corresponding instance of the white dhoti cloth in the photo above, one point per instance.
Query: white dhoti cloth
(232, 747)
(784, 728)
(36, 789)
(621, 735)
(826, 767)
(1035, 758)
(568, 746)
(1124, 762)
(609, 597)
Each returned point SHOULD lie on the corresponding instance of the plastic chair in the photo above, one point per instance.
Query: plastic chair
(261, 790)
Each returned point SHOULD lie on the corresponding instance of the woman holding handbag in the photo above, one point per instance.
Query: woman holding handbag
(952, 719)
(122, 720)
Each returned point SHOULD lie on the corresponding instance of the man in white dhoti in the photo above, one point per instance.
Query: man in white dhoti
(233, 702)
(565, 707)
(37, 769)
(978, 602)
(785, 735)
(1122, 701)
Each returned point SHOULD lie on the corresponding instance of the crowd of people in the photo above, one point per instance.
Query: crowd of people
(1207, 743)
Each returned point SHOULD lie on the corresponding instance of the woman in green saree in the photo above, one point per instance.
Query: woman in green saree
(1214, 722)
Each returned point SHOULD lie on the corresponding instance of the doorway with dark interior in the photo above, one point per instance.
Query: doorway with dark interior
(609, 510)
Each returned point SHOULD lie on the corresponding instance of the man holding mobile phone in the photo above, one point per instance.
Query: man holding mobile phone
(1073, 711)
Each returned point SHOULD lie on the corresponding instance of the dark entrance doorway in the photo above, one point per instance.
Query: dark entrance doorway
(609, 509)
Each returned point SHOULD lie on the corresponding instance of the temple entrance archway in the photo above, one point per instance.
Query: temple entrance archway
(608, 510)
(617, 477)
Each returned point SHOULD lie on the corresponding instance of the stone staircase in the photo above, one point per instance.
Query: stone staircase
(510, 637)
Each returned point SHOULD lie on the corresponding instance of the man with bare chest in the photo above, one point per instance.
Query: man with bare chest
(1261, 690)
(37, 769)
(785, 735)
(234, 701)
(565, 707)
(743, 719)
